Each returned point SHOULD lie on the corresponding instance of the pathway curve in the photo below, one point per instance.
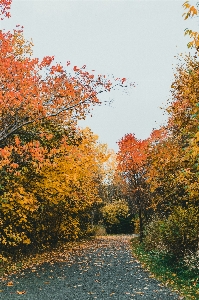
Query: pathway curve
(100, 269)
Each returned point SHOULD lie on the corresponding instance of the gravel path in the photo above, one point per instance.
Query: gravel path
(100, 269)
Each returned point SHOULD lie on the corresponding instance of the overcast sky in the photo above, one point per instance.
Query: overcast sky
(134, 39)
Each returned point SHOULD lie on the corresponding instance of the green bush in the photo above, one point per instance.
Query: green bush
(176, 235)
(116, 217)
(153, 239)
(180, 232)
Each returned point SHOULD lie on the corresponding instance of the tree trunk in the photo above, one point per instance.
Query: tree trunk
(141, 223)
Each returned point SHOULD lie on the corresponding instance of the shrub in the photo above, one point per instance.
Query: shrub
(99, 230)
(191, 260)
(116, 217)
(176, 235)
(180, 232)
(153, 239)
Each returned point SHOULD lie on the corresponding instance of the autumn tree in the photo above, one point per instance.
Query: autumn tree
(162, 176)
(55, 201)
(71, 184)
(49, 169)
(183, 122)
(33, 90)
(18, 201)
(173, 167)
(131, 158)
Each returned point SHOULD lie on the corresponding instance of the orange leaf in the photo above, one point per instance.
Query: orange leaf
(20, 292)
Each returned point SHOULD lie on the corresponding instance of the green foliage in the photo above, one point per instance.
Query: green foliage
(180, 232)
(171, 272)
(152, 235)
(176, 235)
(116, 217)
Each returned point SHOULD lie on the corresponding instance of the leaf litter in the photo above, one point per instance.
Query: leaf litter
(101, 268)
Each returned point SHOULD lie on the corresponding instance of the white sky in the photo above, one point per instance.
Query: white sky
(133, 39)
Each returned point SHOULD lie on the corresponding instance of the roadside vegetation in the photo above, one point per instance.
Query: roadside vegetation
(180, 275)
(159, 179)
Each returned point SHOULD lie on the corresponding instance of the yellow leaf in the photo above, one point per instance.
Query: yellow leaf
(21, 292)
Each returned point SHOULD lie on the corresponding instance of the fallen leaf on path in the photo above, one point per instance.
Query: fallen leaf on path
(20, 292)
(10, 283)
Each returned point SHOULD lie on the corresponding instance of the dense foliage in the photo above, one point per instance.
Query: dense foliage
(160, 175)
(164, 173)
(51, 172)
(117, 218)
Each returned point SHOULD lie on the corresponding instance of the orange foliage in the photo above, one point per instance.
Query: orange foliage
(4, 8)
(33, 91)
(50, 172)
(132, 153)
(27, 95)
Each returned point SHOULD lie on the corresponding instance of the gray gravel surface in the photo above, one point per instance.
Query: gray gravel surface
(100, 269)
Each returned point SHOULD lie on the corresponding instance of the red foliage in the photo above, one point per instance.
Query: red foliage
(132, 153)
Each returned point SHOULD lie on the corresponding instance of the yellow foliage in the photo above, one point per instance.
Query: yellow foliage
(55, 200)
(191, 11)
(112, 212)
